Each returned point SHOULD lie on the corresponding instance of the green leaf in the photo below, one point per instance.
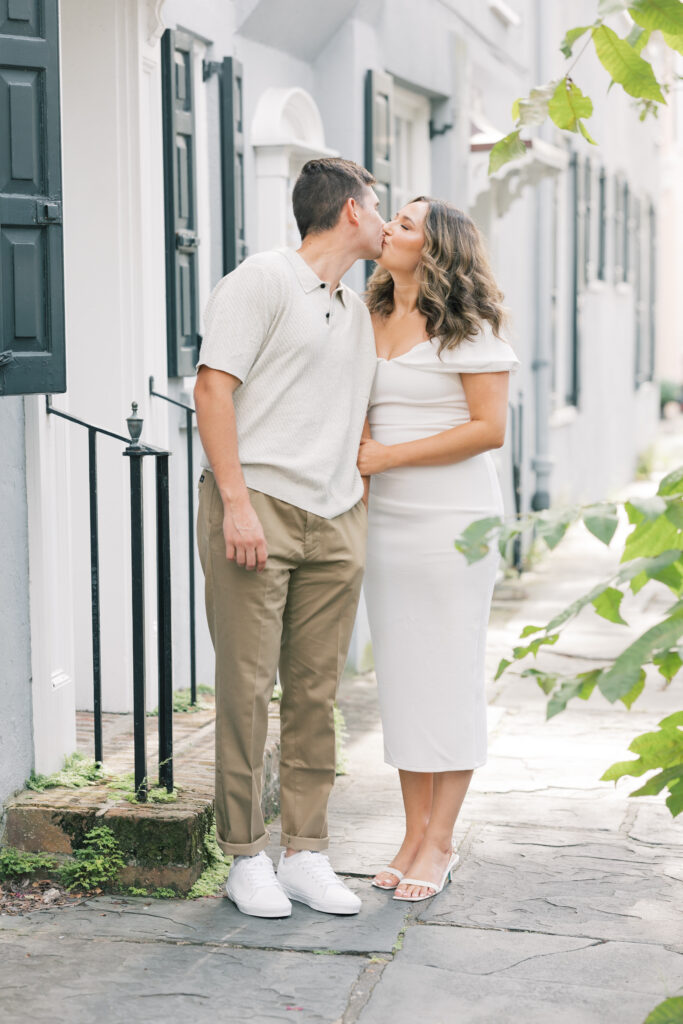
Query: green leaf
(634, 692)
(509, 148)
(581, 686)
(552, 526)
(568, 105)
(666, 15)
(515, 110)
(586, 134)
(674, 41)
(668, 663)
(528, 630)
(672, 483)
(534, 646)
(502, 665)
(606, 7)
(645, 508)
(622, 676)
(638, 38)
(639, 581)
(674, 512)
(675, 801)
(572, 35)
(656, 784)
(668, 1012)
(651, 537)
(534, 109)
(546, 680)
(607, 604)
(506, 535)
(602, 521)
(472, 543)
(625, 66)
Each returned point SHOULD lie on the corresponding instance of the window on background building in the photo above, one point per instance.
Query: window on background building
(589, 222)
(411, 165)
(602, 226)
(619, 228)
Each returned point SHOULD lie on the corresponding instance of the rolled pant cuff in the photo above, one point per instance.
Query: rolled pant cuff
(301, 843)
(244, 849)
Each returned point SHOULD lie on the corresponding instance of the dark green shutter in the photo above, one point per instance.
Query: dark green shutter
(32, 336)
(572, 379)
(182, 314)
(232, 139)
(379, 119)
(652, 288)
(602, 227)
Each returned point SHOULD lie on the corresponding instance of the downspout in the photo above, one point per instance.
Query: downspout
(542, 462)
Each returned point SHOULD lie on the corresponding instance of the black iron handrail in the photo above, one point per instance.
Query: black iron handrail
(135, 451)
(189, 413)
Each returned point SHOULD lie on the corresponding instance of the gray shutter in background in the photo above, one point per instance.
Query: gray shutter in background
(575, 200)
(232, 143)
(379, 97)
(32, 335)
(180, 203)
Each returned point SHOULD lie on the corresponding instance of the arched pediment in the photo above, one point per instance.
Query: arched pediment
(287, 117)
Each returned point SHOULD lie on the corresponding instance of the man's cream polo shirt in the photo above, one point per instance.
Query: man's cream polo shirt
(306, 360)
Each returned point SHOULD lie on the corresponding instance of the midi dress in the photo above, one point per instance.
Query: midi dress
(428, 610)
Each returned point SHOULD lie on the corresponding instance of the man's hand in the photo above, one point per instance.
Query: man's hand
(373, 457)
(245, 542)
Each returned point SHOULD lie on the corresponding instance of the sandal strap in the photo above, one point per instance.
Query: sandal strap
(390, 871)
(421, 882)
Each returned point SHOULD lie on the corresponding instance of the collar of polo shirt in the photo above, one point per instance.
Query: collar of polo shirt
(308, 279)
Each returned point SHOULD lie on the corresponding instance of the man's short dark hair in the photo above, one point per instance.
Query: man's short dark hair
(321, 190)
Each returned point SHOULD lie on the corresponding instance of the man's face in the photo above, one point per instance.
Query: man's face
(371, 225)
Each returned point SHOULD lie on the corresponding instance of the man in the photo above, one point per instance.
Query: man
(282, 389)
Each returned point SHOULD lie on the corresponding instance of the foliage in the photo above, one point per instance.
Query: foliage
(162, 893)
(563, 101)
(668, 1012)
(182, 701)
(653, 554)
(97, 861)
(124, 786)
(78, 771)
(17, 863)
(216, 870)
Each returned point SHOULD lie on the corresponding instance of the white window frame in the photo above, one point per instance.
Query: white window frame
(411, 161)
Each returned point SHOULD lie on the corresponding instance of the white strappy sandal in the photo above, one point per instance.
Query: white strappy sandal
(388, 871)
(428, 885)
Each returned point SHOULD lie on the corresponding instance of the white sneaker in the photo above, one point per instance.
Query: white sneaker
(308, 877)
(254, 889)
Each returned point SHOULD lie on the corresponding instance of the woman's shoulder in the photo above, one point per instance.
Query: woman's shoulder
(485, 352)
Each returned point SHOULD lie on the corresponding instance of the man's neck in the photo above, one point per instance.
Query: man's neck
(328, 256)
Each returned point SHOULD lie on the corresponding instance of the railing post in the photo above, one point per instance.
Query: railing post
(136, 453)
(190, 554)
(95, 593)
(165, 660)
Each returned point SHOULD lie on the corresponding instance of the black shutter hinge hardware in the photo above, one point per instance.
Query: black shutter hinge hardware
(48, 213)
(186, 241)
(434, 131)
(210, 68)
(5, 359)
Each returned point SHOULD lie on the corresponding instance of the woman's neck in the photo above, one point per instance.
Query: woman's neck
(405, 296)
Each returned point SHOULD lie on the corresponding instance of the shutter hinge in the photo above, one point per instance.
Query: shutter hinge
(186, 240)
(5, 359)
(209, 68)
(48, 213)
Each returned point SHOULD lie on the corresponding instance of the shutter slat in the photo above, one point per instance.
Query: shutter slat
(379, 101)
(232, 157)
(32, 330)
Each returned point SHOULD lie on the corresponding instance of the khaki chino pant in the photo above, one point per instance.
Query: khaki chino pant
(297, 615)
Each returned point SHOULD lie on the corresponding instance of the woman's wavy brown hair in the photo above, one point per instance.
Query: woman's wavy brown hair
(457, 290)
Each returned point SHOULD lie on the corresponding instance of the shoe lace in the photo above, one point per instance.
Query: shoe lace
(260, 871)
(320, 869)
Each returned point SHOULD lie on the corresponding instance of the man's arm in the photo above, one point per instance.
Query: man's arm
(366, 479)
(245, 542)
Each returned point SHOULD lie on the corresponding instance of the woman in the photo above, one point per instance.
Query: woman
(438, 406)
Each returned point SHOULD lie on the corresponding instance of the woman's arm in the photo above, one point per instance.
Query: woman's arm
(365, 436)
(487, 398)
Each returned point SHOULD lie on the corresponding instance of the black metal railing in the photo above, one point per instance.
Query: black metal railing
(516, 446)
(136, 452)
(189, 413)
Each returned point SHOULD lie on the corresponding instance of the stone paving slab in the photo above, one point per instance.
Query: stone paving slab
(43, 980)
(446, 975)
(565, 882)
(218, 922)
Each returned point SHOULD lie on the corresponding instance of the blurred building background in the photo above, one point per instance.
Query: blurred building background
(147, 146)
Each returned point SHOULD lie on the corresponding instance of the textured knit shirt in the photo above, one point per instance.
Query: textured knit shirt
(306, 360)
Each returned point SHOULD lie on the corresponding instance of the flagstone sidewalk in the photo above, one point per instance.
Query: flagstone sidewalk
(566, 905)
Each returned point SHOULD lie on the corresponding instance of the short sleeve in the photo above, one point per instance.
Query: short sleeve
(239, 316)
(483, 354)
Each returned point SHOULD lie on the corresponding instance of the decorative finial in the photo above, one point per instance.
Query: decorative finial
(134, 426)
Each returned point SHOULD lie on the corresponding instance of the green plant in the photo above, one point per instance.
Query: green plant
(17, 863)
(97, 861)
(163, 894)
(182, 701)
(563, 101)
(125, 786)
(668, 1012)
(78, 771)
(216, 870)
(133, 890)
(653, 554)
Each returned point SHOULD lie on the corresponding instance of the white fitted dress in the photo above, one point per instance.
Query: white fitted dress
(428, 610)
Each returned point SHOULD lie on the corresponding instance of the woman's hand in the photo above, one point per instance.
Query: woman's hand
(373, 457)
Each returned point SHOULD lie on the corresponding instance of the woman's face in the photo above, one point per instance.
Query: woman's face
(404, 239)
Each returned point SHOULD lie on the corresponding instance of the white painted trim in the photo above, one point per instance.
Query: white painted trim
(564, 416)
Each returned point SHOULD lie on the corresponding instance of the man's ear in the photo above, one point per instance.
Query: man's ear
(351, 211)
